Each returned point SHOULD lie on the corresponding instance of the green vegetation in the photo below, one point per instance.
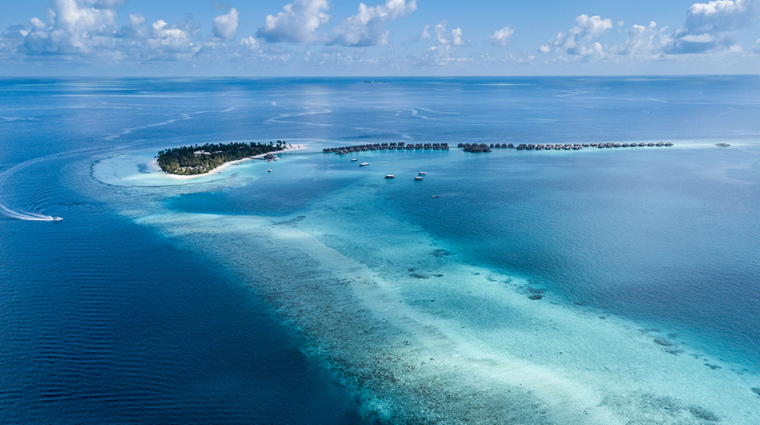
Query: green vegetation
(191, 160)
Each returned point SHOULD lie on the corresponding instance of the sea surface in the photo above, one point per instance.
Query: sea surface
(598, 286)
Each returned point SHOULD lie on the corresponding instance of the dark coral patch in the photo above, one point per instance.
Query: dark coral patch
(441, 253)
(703, 414)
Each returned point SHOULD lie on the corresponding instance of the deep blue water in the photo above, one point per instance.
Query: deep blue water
(103, 320)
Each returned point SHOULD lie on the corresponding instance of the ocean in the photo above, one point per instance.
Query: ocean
(600, 286)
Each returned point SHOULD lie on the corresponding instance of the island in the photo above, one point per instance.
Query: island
(196, 159)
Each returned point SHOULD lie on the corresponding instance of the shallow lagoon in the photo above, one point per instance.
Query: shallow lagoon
(423, 304)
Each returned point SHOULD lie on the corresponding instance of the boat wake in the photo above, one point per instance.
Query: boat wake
(26, 216)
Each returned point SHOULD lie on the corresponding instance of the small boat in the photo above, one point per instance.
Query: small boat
(353, 160)
(364, 164)
(390, 176)
(269, 170)
(422, 173)
(434, 196)
(57, 219)
(418, 178)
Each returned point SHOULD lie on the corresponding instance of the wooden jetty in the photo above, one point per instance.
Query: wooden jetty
(483, 147)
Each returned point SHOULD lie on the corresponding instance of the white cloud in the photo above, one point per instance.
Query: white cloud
(135, 28)
(13, 38)
(87, 29)
(641, 40)
(756, 47)
(159, 24)
(38, 24)
(180, 41)
(721, 16)
(367, 28)
(701, 38)
(444, 38)
(135, 20)
(106, 4)
(574, 41)
(75, 28)
(456, 37)
(440, 33)
(708, 24)
(250, 43)
(225, 26)
(442, 55)
(501, 37)
(296, 23)
(424, 35)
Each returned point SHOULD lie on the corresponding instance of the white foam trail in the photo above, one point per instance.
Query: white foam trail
(20, 215)
(573, 93)
(183, 117)
(438, 112)
(158, 124)
(415, 113)
(278, 118)
(24, 215)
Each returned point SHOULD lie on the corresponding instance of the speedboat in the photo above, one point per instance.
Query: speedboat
(57, 219)
(353, 160)
(418, 178)
(364, 164)
(422, 173)
(435, 196)
(390, 176)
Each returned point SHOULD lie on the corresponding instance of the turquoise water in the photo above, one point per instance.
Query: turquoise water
(592, 286)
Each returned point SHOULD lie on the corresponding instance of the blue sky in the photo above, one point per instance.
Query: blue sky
(377, 38)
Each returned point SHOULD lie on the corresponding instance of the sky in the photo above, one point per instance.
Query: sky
(123, 38)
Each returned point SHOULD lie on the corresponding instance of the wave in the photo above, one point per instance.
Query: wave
(415, 113)
(38, 196)
(182, 117)
(278, 119)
